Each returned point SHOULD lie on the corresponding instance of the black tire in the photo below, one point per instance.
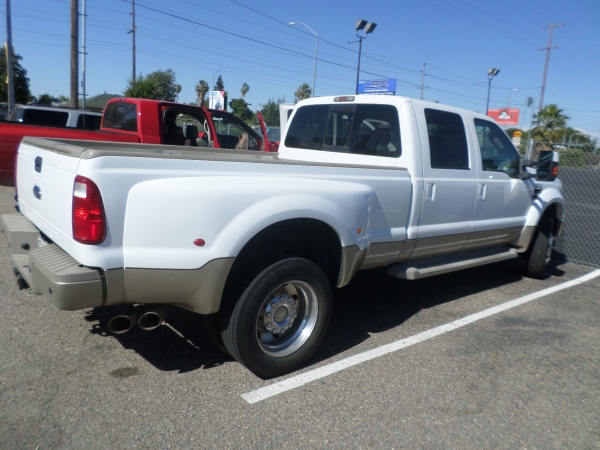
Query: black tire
(540, 250)
(211, 324)
(280, 318)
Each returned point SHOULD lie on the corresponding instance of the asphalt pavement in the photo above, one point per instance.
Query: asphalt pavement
(527, 377)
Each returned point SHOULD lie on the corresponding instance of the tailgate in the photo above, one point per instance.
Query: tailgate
(46, 172)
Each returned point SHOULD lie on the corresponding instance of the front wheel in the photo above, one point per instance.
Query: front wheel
(541, 250)
(281, 318)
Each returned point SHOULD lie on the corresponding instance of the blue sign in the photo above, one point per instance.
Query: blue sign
(377, 87)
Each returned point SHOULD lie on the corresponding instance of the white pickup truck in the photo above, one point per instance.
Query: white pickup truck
(253, 242)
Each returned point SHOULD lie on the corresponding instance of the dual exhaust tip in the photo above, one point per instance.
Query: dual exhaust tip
(148, 318)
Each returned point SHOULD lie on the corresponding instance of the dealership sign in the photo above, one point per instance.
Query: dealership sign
(217, 100)
(505, 116)
(377, 87)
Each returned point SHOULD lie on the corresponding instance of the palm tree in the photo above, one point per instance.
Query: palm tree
(245, 89)
(551, 124)
(201, 89)
(302, 93)
(551, 117)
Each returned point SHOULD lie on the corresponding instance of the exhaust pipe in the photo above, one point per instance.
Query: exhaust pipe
(21, 282)
(124, 322)
(152, 319)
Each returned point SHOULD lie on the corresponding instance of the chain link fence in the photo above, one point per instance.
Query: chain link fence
(579, 172)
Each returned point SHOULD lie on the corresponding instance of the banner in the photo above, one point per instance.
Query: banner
(377, 87)
(217, 100)
(505, 116)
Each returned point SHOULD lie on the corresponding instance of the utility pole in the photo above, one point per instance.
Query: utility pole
(548, 49)
(74, 55)
(9, 60)
(83, 53)
(422, 80)
(132, 32)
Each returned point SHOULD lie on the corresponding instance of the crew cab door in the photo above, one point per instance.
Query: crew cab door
(503, 198)
(449, 182)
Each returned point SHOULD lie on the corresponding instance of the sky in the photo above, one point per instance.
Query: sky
(457, 41)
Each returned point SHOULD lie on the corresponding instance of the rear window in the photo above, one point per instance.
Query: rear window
(347, 128)
(121, 116)
(43, 117)
(89, 121)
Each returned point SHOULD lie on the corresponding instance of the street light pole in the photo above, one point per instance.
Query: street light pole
(510, 92)
(316, 50)
(360, 39)
(9, 61)
(368, 27)
(491, 74)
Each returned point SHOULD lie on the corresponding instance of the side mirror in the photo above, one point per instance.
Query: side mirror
(547, 166)
(523, 174)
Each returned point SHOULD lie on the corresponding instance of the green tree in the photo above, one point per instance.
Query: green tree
(245, 89)
(551, 117)
(220, 85)
(45, 99)
(201, 89)
(240, 109)
(64, 98)
(270, 112)
(20, 80)
(551, 123)
(159, 85)
(303, 92)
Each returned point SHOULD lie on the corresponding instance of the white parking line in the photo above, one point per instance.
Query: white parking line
(300, 380)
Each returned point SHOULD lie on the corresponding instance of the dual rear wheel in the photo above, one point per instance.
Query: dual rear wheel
(278, 320)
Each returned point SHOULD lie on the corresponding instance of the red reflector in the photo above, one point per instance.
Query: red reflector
(555, 171)
(199, 242)
(89, 223)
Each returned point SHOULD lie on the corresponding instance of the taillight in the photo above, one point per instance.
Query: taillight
(89, 223)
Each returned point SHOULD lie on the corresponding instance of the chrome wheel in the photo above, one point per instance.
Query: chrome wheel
(280, 318)
(287, 318)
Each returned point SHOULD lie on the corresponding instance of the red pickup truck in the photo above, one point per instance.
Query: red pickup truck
(144, 121)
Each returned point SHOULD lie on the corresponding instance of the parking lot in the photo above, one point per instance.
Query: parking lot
(524, 377)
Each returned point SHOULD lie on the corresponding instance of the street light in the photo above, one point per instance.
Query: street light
(367, 27)
(222, 67)
(316, 49)
(491, 74)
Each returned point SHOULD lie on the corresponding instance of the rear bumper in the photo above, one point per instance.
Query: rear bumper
(49, 270)
(53, 273)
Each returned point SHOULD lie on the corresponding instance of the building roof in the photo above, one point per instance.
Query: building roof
(98, 102)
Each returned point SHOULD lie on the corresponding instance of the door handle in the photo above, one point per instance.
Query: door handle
(481, 189)
(430, 192)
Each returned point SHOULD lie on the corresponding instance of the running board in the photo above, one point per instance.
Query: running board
(415, 270)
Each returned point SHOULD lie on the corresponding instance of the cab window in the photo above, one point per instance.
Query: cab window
(89, 121)
(498, 154)
(45, 117)
(448, 147)
(121, 116)
(347, 128)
